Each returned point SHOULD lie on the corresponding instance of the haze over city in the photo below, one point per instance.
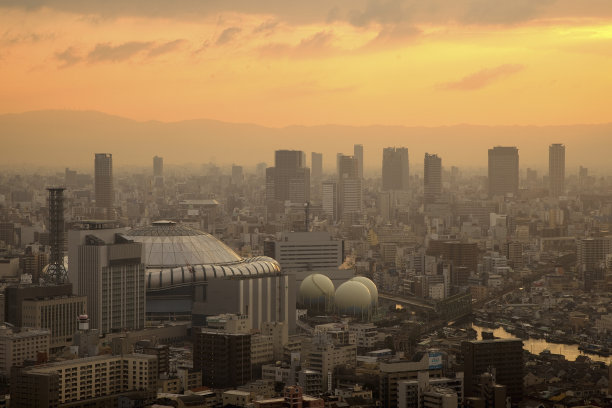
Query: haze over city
(315, 204)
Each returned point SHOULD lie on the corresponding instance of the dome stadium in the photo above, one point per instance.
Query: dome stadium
(191, 274)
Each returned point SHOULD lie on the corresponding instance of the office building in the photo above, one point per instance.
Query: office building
(316, 166)
(502, 357)
(158, 166)
(289, 179)
(237, 175)
(395, 169)
(103, 181)
(432, 178)
(224, 358)
(101, 379)
(107, 268)
(503, 171)
(350, 199)
(19, 346)
(358, 154)
(424, 391)
(329, 199)
(591, 253)
(556, 169)
(306, 251)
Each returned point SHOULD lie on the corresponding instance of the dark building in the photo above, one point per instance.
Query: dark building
(104, 184)
(31, 389)
(289, 179)
(395, 170)
(15, 295)
(432, 180)
(316, 165)
(224, 358)
(503, 171)
(158, 166)
(556, 169)
(501, 357)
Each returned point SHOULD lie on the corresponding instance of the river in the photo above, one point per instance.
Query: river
(536, 346)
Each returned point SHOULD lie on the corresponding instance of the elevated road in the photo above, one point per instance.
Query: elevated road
(414, 302)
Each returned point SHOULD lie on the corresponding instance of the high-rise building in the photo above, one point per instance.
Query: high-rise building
(158, 166)
(556, 169)
(349, 188)
(289, 179)
(432, 178)
(237, 174)
(591, 253)
(329, 199)
(358, 154)
(104, 184)
(503, 171)
(316, 165)
(224, 358)
(395, 168)
(107, 268)
(501, 357)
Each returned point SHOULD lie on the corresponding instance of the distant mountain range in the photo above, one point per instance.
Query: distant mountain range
(63, 138)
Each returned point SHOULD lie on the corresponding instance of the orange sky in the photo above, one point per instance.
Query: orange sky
(403, 62)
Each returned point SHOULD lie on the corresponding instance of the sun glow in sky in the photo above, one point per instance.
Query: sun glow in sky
(276, 63)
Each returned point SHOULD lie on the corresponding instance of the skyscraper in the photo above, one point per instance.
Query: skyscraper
(358, 154)
(316, 165)
(108, 270)
(503, 171)
(104, 184)
(349, 187)
(395, 170)
(158, 166)
(556, 169)
(329, 198)
(432, 178)
(289, 179)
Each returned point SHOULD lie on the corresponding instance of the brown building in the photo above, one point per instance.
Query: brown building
(224, 358)
(502, 356)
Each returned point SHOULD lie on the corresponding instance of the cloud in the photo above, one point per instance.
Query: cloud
(267, 27)
(319, 44)
(116, 53)
(483, 78)
(381, 12)
(228, 35)
(504, 12)
(68, 57)
(165, 48)
(8, 38)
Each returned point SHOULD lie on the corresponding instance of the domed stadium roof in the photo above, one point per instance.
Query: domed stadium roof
(167, 244)
(177, 255)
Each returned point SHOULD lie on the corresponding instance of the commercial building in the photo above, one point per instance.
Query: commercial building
(107, 268)
(99, 380)
(350, 199)
(358, 154)
(300, 251)
(104, 192)
(432, 178)
(503, 171)
(556, 169)
(19, 346)
(158, 166)
(502, 357)
(329, 199)
(289, 179)
(316, 166)
(395, 168)
(224, 358)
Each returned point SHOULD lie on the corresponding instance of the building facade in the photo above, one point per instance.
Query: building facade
(503, 171)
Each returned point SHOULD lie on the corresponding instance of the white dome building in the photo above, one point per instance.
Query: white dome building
(371, 287)
(354, 298)
(316, 292)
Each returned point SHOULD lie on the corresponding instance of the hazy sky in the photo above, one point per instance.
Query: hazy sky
(279, 62)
